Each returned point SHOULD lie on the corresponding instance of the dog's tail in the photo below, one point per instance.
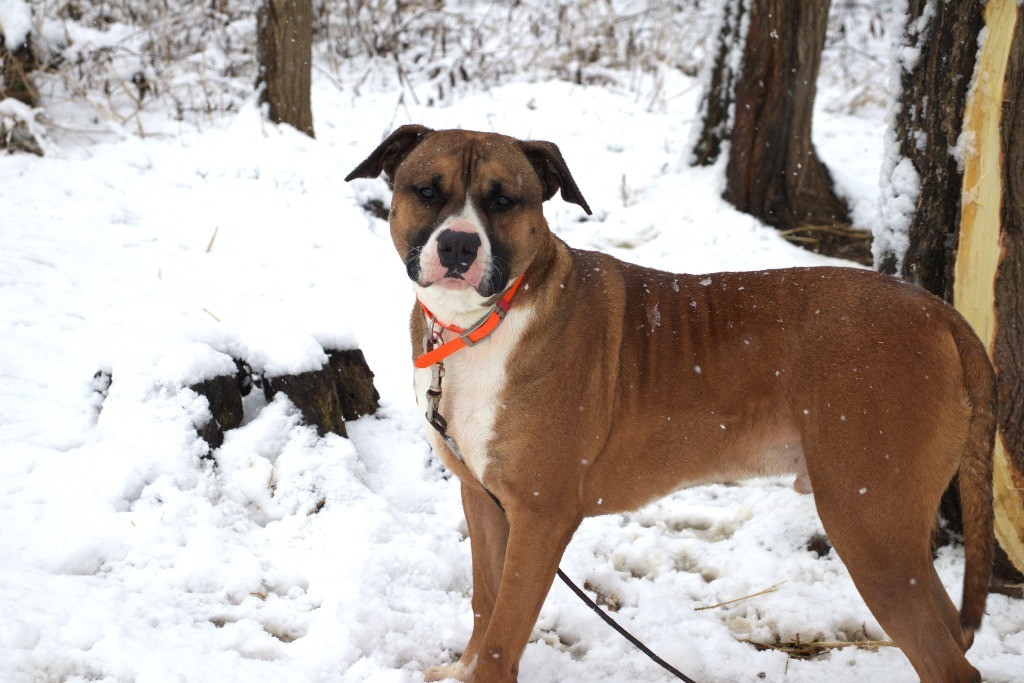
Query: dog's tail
(975, 477)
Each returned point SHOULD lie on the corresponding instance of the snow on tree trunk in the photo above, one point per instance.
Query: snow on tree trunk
(285, 48)
(715, 111)
(921, 179)
(953, 211)
(988, 283)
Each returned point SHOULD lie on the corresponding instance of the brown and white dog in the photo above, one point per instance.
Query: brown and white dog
(608, 385)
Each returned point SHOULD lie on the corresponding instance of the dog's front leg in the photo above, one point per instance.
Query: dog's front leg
(537, 537)
(488, 538)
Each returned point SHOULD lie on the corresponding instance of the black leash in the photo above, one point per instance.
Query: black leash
(431, 339)
(622, 632)
(604, 615)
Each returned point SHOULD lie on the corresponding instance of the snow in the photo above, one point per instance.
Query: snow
(15, 23)
(900, 189)
(125, 555)
(899, 179)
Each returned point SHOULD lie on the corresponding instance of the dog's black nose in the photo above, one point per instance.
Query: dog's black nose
(457, 250)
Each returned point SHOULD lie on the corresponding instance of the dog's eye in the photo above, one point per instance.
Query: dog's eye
(503, 202)
(427, 193)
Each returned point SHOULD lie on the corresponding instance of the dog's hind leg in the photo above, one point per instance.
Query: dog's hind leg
(886, 546)
(892, 568)
(950, 615)
(488, 538)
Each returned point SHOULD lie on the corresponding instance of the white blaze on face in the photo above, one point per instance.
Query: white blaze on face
(455, 300)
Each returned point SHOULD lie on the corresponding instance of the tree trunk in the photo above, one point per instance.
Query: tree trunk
(963, 235)
(715, 108)
(774, 172)
(988, 286)
(1008, 350)
(285, 48)
(1008, 345)
(933, 91)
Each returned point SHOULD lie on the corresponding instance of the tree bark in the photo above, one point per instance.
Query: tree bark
(285, 49)
(965, 237)
(224, 395)
(928, 123)
(341, 390)
(354, 381)
(315, 394)
(1008, 351)
(774, 172)
(715, 108)
(1008, 342)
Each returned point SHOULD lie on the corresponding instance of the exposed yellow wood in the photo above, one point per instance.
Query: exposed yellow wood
(980, 246)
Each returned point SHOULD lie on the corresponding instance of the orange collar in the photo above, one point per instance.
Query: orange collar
(470, 337)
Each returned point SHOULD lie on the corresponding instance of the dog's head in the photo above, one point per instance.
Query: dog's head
(466, 214)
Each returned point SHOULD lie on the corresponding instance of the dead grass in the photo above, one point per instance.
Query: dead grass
(810, 650)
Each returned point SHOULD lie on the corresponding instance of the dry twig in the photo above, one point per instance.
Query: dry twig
(770, 589)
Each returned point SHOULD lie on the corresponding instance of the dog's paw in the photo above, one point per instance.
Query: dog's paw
(458, 671)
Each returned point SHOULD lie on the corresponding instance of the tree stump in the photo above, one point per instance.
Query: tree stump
(224, 394)
(340, 390)
(315, 394)
(354, 382)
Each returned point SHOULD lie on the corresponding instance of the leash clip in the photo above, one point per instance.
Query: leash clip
(434, 418)
(437, 421)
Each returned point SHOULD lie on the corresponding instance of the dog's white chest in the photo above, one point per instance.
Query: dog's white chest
(472, 391)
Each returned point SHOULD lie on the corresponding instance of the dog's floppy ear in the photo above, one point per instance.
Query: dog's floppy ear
(390, 153)
(553, 171)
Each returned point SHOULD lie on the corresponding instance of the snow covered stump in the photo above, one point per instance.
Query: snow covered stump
(340, 390)
(354, 381)
(224, 394)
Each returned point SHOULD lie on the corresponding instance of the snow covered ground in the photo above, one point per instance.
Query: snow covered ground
(126, 557)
